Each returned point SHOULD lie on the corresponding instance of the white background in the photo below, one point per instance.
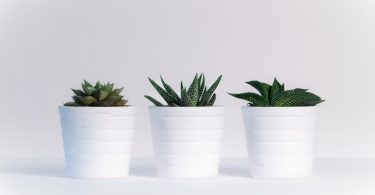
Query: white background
(47, 47)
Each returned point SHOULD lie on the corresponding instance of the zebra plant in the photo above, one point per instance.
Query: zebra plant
(275, 95)
(197, 94)
(100, 95)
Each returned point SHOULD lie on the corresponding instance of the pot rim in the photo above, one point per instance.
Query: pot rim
(97, 107)
(185, 107)
(279, 108)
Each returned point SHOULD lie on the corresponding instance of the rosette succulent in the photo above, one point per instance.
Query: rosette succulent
(97, 95)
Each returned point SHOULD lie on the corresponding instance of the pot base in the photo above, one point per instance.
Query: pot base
(97, 172)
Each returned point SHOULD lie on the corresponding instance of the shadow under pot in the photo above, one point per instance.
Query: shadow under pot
(280, 140)
(187, 140)
(97, 140)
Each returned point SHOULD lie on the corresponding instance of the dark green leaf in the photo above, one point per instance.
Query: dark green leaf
(171, 92)
(87, 100)
(206, 95)
(263, 89)
(78, 92)
(71, 104)
(87, 89)
(212, 100)
(164, 94)
(157, 103)
(253, 98)
(117, 91)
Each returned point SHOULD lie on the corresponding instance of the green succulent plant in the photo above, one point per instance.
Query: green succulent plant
(197, 94)
(99, 95)
(275, 95)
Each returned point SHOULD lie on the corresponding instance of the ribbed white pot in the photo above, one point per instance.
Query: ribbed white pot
(280, 140)
(97, 140)
(187, 140)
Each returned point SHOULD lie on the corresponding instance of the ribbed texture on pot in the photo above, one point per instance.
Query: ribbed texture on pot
(97, 140)
(280, 141)
(187, 140)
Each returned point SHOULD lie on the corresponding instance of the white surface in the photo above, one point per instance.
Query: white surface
(98, 141)
(48, 47)
(280, 140)
(46, 176)
(187, 140)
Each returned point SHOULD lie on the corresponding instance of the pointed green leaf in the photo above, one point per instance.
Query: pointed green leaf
(169, 89)
(212, 100)
(71, 104)
(157, 103)
(195, 80)
(206, 95)
(78, 92)
(87, 89)
(282, 98)
(253, 98)
(263, 89)
(276, 88)
(104, 94)
(77, 99)
(201, 86)
(117, 91)
(87, 84)
(87, 100)
(193, 91)
(121, 103)
(164, 94)
(98, 85)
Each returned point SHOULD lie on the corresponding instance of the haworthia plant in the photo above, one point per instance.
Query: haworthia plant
(275, 95)
(97, 95)
(197, 94)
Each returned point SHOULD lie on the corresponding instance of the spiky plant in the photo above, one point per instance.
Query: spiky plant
(99, 95)
(197, 94)
(275, 95)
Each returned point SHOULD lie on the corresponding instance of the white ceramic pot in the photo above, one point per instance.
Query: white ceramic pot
(187, 140)
(97, 140)
(280, 140)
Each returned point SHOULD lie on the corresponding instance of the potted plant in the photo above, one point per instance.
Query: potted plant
(187, 131)
(97, 129)
(280, 127)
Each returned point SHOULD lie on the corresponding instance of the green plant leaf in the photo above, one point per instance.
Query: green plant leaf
(164, 94)
(87, 100)
(121, 102)
(104, 94)
(212, 100)
(193, 91)
(71, 104)
(112, 99)
(253, 98)
(87, 89)
(304, 99)
(154, 101)
(195, 80)
(263, 88)
(78, 92)
(98, 85)
(276, 88)
(201, 86)
(185, 98)
(282, 98)
(87, 83)
(117, 91)
(171, 92)
(108, 87)
(207, 94)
